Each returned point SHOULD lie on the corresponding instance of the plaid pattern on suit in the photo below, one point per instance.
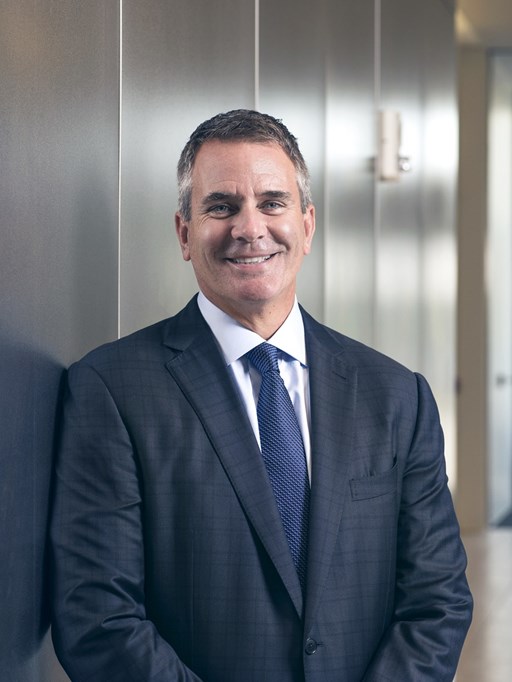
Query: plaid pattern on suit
(170, 560)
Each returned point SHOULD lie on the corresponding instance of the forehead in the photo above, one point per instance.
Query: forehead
(242, 163)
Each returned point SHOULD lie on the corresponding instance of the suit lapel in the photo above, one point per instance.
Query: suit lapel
(198, 368)
(333, 386)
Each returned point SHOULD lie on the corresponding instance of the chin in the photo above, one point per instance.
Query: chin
(259, 293)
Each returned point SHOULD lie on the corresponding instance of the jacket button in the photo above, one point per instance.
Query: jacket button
(311, 646)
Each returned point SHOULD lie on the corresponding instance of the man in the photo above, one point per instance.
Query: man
(176, 554)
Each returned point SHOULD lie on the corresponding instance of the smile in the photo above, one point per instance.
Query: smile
(250, 261)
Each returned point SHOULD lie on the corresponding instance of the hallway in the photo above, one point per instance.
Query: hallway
(487, 654)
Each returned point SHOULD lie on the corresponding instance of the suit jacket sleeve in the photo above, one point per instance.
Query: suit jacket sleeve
(100, 629)
(433, 604)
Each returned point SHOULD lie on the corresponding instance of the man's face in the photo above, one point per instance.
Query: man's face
(247, 235)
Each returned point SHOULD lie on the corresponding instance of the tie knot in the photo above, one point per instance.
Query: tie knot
(264, 358)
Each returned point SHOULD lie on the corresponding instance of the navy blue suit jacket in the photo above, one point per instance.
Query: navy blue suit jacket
(170, 561)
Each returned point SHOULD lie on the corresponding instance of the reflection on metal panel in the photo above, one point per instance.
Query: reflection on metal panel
(58, 288)
(350, 149)
(182, 63)
(397, 323)
(292, 88)
(437, 212)
(416, 258)
(499, 282)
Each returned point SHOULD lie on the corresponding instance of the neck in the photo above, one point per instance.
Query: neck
(264, 325)
(264, 319)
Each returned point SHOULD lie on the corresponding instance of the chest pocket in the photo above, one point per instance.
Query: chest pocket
(374, 486)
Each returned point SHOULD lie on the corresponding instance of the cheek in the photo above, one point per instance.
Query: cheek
(288, 233)
(295, 232)
(209, 234)
(204, 244)
(298, 241)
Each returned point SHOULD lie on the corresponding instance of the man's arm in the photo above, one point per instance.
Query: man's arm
(100, 629)
(433, 604)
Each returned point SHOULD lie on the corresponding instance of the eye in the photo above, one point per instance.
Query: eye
(272, 206)
(221, 210)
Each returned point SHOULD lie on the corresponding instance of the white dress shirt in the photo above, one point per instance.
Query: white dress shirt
(235, 341)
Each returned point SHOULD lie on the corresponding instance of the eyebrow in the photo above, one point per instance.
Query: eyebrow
(219, 196)
(276, 194)
(227, 196)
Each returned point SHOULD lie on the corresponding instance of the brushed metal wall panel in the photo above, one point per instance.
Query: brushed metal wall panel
(182, 63)
(499, 288)
(291, 87)
(350, 152)
(398, 264)
(437, 217)
(416, 258)
(58, 225)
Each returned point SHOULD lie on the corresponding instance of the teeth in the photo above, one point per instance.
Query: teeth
(250, 261)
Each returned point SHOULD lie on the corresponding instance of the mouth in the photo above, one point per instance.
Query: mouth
(254, 260)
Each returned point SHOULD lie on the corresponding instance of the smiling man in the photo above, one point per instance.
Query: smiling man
(242, 494)
(247, 231)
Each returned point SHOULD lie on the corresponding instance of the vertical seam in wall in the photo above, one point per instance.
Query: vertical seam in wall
(327, 190)
(256, 54)
(376, 194)
(119, 160)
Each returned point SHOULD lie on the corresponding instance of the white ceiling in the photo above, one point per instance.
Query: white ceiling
(488, 22)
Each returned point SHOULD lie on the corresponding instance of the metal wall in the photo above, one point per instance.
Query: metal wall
(416, 234)
(182, 63)
(291, 86)
(350, 155)
(390, 246)
(499, 288)
(58, 272)
(88, 195)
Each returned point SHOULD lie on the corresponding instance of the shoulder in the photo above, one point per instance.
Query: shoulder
(152, 344)
(376, 374)
(354, 353)
(382, 386)
(134, 345)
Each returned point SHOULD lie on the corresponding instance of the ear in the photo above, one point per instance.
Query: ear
(182, 234)
(309, 228)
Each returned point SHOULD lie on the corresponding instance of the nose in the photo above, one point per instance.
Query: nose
(249, 224)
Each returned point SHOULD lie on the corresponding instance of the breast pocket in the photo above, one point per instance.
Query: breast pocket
(370, 487)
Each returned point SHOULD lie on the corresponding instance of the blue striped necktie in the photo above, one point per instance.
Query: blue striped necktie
(283, 452)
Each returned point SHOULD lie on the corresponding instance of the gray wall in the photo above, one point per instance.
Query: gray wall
(499, 287)
(81, 261)
(390, 247)
(182, 63)
(416, 244)
(58, 271)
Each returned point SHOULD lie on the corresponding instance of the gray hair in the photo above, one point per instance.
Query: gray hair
(242, 125)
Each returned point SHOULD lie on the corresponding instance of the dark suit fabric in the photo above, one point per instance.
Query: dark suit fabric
(170, 561)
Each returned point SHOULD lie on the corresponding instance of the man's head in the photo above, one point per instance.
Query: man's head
(244, 222)
(240, 125)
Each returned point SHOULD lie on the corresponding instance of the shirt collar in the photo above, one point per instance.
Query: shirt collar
(236, 340)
